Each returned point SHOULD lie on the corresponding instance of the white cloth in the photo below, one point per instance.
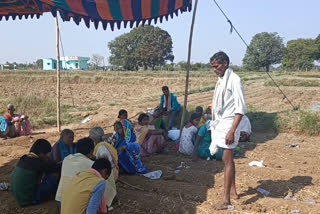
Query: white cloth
(186, 145)
(228, 100)
(245, 125)
(71, 165)
(103, 152)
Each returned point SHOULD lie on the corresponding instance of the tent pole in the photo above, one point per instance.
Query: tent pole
(58, 77)
(188, 69)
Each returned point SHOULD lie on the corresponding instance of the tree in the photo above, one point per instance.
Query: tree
(317, 42)
(301, 53)
(39, 64)
(264, 50)
(97, 60)
(145, 46)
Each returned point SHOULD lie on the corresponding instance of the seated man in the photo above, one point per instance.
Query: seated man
(18, 125)
(170, 105)
(84, 195)
(32, 180)
(75, 163)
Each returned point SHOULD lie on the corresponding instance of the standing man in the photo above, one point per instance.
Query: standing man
(169, 104)
(228, 108)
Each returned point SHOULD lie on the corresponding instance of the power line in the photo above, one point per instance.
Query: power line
(253, 52)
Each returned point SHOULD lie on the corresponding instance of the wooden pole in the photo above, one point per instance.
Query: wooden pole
(188, 68)
(58, 77)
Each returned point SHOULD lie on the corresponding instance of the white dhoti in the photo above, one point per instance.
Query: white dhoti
(219, 131)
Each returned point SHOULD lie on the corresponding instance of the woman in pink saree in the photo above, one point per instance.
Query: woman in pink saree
(151, 141)
(18, 124)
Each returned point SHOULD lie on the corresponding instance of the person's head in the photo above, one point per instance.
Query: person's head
(103, 166)
(199, 110)
(219, 63)
(118, 128)
(165, 90)
(96, 134)
(143, 119)
(123, 114)
(195, 119)
(85, 146)
(41, 148)
(67, 136)
(208, 111)
(157, 112)
(11, 109)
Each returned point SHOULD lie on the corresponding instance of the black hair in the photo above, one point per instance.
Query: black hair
(220, 57)
(117, 124)
(85, 145)
(101, 164)
(195, 116)
(122, 112)
(165, 88)
(142, 116)
(41, 146)
(199, 109)
(65, 132)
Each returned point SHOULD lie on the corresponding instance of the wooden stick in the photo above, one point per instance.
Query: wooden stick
(58, 77)
(188, 69)
(130, 185)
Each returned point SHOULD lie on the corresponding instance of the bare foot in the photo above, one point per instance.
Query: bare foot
(222, 205)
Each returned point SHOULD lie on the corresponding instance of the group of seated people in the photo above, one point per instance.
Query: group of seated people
(196, 135)
(14, 125)
(82, 176)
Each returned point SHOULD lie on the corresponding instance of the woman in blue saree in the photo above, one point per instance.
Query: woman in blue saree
(124, 140)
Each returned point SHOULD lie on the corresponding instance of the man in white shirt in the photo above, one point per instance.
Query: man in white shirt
(228, 107)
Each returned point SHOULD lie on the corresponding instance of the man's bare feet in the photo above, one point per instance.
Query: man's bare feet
(234, 195)
(222, 205)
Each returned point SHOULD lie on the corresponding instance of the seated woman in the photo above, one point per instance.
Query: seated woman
(188, 135)
(105, 150)
(63, 147)
(33, 180)
(151, 141)
(128, 151)
(203, 141)
(127, 126)
(18, 125)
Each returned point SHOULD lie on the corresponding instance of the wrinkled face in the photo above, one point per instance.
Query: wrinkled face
(124, 116)
(68, 139)
(145, 121)
(11, 111)
(219, 68)
(165, 92)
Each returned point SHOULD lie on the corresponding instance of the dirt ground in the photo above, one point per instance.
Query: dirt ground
(195, 189)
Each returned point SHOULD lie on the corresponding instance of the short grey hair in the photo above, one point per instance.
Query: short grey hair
(10, 106)
(96, 134)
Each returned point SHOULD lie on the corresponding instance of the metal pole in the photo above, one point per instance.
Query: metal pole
(188, 68)
(58, 77)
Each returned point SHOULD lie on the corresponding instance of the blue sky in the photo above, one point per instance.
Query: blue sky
(29, 40)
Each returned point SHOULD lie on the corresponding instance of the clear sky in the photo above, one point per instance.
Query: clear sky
(31, 39)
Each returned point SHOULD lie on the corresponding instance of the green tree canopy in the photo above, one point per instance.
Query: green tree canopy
(145, 46)
(301, 53)
(264, 50)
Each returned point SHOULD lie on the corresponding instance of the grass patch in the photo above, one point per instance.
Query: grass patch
(295, 83)
(262, 121)
(42, 111)
(200, 90)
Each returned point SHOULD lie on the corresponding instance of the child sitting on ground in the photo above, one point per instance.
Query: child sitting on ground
(33, 180)
(188, 135)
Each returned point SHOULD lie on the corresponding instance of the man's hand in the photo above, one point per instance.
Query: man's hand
(230, 137)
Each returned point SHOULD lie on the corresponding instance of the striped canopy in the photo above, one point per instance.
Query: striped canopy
(106, 12)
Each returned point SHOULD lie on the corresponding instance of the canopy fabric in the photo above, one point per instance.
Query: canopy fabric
(112, 12)
(18, 8)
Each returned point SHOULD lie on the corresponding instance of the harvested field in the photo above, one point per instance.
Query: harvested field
(101, 95)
